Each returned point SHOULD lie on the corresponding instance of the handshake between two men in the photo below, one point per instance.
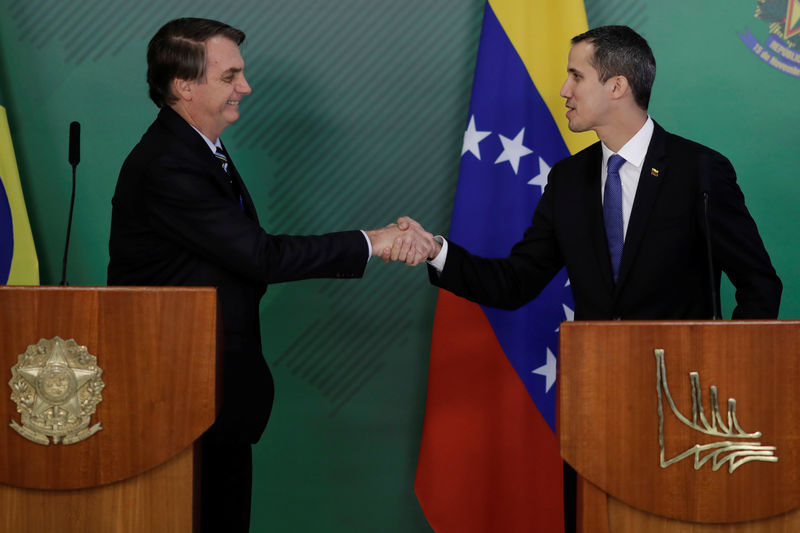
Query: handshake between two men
(406, 241)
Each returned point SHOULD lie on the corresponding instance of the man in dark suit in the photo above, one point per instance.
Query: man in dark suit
(182, 216)
(626, 216)
(662, 185)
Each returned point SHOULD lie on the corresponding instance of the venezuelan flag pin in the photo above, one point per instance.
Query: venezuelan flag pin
(654, 172)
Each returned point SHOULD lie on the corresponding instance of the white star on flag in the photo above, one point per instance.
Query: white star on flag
(472, 137)
(569, 315)
(548, 370)
(513, 150)
(541, 178)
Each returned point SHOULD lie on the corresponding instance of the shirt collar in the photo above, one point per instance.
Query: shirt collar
(211, 145)
(636, 148)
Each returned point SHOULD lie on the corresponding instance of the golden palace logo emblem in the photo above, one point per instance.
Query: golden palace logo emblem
(56, 385)
(735, 447)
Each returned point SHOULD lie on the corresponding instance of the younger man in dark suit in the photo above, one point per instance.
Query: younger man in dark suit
(182, 216)
(627, 215)
(650, 197)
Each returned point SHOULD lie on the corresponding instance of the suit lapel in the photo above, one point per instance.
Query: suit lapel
(195, 143)
(182, 130)
(654, 171)
(247, 201)
(190, 138)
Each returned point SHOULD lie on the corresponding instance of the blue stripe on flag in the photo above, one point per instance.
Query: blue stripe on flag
(495, 202)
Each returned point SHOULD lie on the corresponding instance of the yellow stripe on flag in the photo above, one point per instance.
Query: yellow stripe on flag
(24, 263)
(540, 31)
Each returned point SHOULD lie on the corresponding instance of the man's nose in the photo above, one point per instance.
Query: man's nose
(244, 87)
(565, 90)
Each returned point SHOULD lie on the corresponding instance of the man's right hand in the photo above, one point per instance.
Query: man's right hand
(406, 241)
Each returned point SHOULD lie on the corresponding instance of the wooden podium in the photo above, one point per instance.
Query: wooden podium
(157, 350)
(655, 451)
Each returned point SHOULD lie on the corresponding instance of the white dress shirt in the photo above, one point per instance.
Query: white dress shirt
(211, 144)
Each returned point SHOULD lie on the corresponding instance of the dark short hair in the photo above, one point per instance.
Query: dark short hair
(620, 51)
(178, 50)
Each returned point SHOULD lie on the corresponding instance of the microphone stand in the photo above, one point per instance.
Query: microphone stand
(711, 277)
(74, 159)
(69, 229)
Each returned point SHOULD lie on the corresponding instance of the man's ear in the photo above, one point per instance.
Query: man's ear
(182, 89)
(619, 86)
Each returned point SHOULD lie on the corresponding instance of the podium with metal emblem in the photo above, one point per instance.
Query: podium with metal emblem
(682, 426)
(108, 390)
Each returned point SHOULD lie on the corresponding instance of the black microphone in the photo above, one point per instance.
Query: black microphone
(74, 143)
(705, 169)
(74, 159)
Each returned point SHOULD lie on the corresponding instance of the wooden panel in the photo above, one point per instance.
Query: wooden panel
(158, 501)
(609, 421)
(625, 519)
(157, 349)
(591, 508)
(604, 514)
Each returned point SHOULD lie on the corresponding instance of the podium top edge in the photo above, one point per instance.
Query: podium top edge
(649, 323)
(61, 288)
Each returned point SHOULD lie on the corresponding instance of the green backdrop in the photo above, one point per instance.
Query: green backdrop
(357, 117)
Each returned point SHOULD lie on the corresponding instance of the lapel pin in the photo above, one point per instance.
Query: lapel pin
(654, 172)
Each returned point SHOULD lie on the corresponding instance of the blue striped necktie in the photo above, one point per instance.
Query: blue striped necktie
(223, 159)
(612, 212)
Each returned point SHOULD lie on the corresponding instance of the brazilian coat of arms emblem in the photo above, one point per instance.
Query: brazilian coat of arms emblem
(56, 385)
(781, 50)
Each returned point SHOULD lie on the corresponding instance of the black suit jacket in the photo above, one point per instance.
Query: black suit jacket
(176, 220)
(664, 270)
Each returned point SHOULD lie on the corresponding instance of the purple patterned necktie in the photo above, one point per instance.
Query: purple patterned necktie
(612, 212)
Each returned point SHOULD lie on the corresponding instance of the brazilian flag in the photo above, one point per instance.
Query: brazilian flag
(18, 262)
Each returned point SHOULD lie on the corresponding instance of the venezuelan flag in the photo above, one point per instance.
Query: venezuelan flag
(489, 458)
(18, 262)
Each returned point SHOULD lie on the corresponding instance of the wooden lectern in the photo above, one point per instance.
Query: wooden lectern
(157, 350)
(682, 426)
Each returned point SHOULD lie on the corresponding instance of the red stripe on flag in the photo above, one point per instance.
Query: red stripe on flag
(483, 438)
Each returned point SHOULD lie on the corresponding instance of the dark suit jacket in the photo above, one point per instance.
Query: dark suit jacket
(664, 268)
(177, 221)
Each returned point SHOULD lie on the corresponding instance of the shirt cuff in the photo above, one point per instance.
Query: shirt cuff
(438, 262)
(369, 245)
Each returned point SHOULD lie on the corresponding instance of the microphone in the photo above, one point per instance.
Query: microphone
(704, 186)
(74, 143)
(74, 159)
